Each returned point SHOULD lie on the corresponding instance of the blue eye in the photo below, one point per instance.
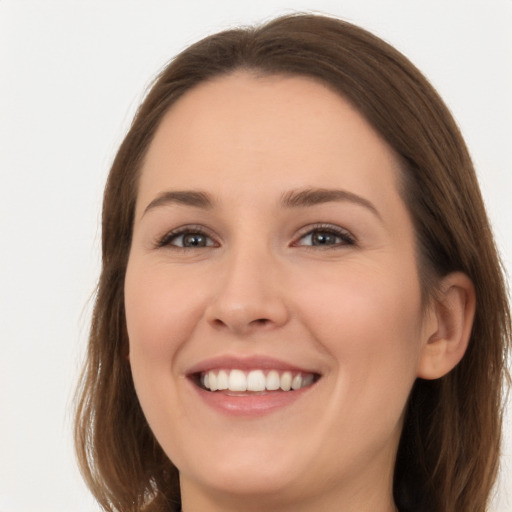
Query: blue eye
(326, 237)
(186, 239)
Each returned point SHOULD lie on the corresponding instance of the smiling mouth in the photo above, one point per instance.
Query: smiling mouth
(239, 381)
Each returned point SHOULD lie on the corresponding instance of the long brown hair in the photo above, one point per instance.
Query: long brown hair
(449, 449)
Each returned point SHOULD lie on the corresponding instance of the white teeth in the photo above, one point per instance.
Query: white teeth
(286, 381)
(297, 382)
(237, 381)
(213, 381)
(222, 380)
(255, 380)
(273, 381)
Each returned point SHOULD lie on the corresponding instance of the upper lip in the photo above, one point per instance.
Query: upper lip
(246, 363)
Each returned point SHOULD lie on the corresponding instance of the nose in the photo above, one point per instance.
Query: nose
(249, 295)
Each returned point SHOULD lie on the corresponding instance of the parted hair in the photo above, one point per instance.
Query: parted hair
(450, 444)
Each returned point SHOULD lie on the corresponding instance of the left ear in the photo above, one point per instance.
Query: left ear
(448, 326)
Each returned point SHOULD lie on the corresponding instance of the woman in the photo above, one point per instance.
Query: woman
(301, 306)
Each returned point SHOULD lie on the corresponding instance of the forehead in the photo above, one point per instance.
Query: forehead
(286, 131)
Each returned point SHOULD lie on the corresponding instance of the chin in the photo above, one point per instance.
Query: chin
(256, 472)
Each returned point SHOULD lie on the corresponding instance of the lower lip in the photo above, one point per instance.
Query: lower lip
(251, 404)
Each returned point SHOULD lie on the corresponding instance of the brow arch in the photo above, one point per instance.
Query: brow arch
(315, 196)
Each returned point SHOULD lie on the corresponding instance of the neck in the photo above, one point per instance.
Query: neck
(365, 499)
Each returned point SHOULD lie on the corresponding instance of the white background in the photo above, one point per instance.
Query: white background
(71, 75)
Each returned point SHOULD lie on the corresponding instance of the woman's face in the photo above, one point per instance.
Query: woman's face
(271, 248)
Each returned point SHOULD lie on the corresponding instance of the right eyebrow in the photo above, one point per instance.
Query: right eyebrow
(314, 196)
(184, 197)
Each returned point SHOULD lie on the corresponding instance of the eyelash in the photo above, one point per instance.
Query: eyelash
(168, 238)
(346, 238)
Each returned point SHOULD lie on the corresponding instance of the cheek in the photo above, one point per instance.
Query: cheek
(369, 321)
(160, 316)
(159, 311)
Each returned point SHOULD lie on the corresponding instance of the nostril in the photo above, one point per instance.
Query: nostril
(258, 322)
(261, 321)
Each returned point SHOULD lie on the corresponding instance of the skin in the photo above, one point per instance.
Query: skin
(349, 311)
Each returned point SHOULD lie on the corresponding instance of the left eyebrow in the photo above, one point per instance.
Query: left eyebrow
(184, 197)
(314, 196)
